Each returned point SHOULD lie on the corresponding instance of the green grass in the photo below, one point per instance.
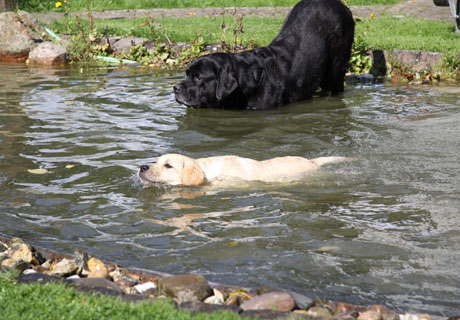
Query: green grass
(408, 34)
(379, 33)
(78, 5)
(19, 302)
(262, 30)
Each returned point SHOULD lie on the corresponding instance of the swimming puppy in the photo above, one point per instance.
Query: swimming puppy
(176, 169)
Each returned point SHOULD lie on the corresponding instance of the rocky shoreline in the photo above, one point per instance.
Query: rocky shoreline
(190, 292)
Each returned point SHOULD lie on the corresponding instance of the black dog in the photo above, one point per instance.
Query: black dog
(312, 50)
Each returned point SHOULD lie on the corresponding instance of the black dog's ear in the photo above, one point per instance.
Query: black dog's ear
(226, 82)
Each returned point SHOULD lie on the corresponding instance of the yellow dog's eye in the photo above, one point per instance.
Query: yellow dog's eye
(168, 166)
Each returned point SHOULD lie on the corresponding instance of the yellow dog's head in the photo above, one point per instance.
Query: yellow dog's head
(172, 169)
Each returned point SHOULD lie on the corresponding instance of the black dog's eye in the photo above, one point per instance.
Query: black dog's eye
(168, 166)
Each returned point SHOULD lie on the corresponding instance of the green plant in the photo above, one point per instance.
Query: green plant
(360, 60)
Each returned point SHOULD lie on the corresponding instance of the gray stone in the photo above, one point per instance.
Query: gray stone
(319, 312)
(386, 313)
(415, 60)
(302, 302)
(81, 259)
(279, 301)
(19, 34)
(48, 53)
(184, 288)
(214, 300)
(146, 288)
(370, 315)
(38, 277)
(96, 284)
(63, 268)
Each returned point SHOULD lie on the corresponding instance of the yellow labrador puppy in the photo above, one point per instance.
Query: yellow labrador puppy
(176, 169)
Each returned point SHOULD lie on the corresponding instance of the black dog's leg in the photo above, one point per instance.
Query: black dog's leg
(339, 52)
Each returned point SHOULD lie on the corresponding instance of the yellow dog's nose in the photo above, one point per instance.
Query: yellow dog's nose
(144, 168)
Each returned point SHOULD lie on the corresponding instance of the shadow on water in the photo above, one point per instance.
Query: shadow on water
(383, 229)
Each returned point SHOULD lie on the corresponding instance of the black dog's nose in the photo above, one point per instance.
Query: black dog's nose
(144, 168)
(176, 89)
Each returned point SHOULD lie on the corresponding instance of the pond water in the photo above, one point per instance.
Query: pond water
(382, 229)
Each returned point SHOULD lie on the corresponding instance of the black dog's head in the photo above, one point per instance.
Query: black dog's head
(210, 80)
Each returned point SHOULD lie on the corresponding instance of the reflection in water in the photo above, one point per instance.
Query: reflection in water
(383, 229)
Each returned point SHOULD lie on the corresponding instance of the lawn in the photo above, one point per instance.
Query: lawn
(51, 301)
(78, 5)
(379, 33)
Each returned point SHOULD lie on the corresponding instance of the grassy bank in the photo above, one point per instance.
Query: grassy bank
(52, 301)
(378, 33)
(78, 5)
(383, 33)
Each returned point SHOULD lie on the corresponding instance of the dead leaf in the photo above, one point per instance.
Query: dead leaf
(38, 171)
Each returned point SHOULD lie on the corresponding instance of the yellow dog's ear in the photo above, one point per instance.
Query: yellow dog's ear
(192, 175)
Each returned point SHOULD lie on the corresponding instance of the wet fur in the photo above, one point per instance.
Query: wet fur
(311, 51)
(176, 169)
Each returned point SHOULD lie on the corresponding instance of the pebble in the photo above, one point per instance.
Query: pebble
(81, 259)
(29, 271)
(345, 308)
(386, 313)
(63, 268)
(97, 269)
(219, 294)
(214, 300)
(18, 265)
(123, 280)
(233, 300)
(319, 312)
(370, 315)
(279, 301)
(23, 253)
(409, 316)
(237, 297)
(146, 288)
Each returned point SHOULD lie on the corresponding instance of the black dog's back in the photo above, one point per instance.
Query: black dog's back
(321, 26)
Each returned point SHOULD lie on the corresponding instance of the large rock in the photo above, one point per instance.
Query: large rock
(416, 60)
(188, 287)
(48, 53)
(100, 285)
(125, 44)
(19, 34)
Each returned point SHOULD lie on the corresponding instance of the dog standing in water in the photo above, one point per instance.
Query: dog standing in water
(311, 51)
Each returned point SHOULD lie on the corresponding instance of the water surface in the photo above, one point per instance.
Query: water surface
(383, 229)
